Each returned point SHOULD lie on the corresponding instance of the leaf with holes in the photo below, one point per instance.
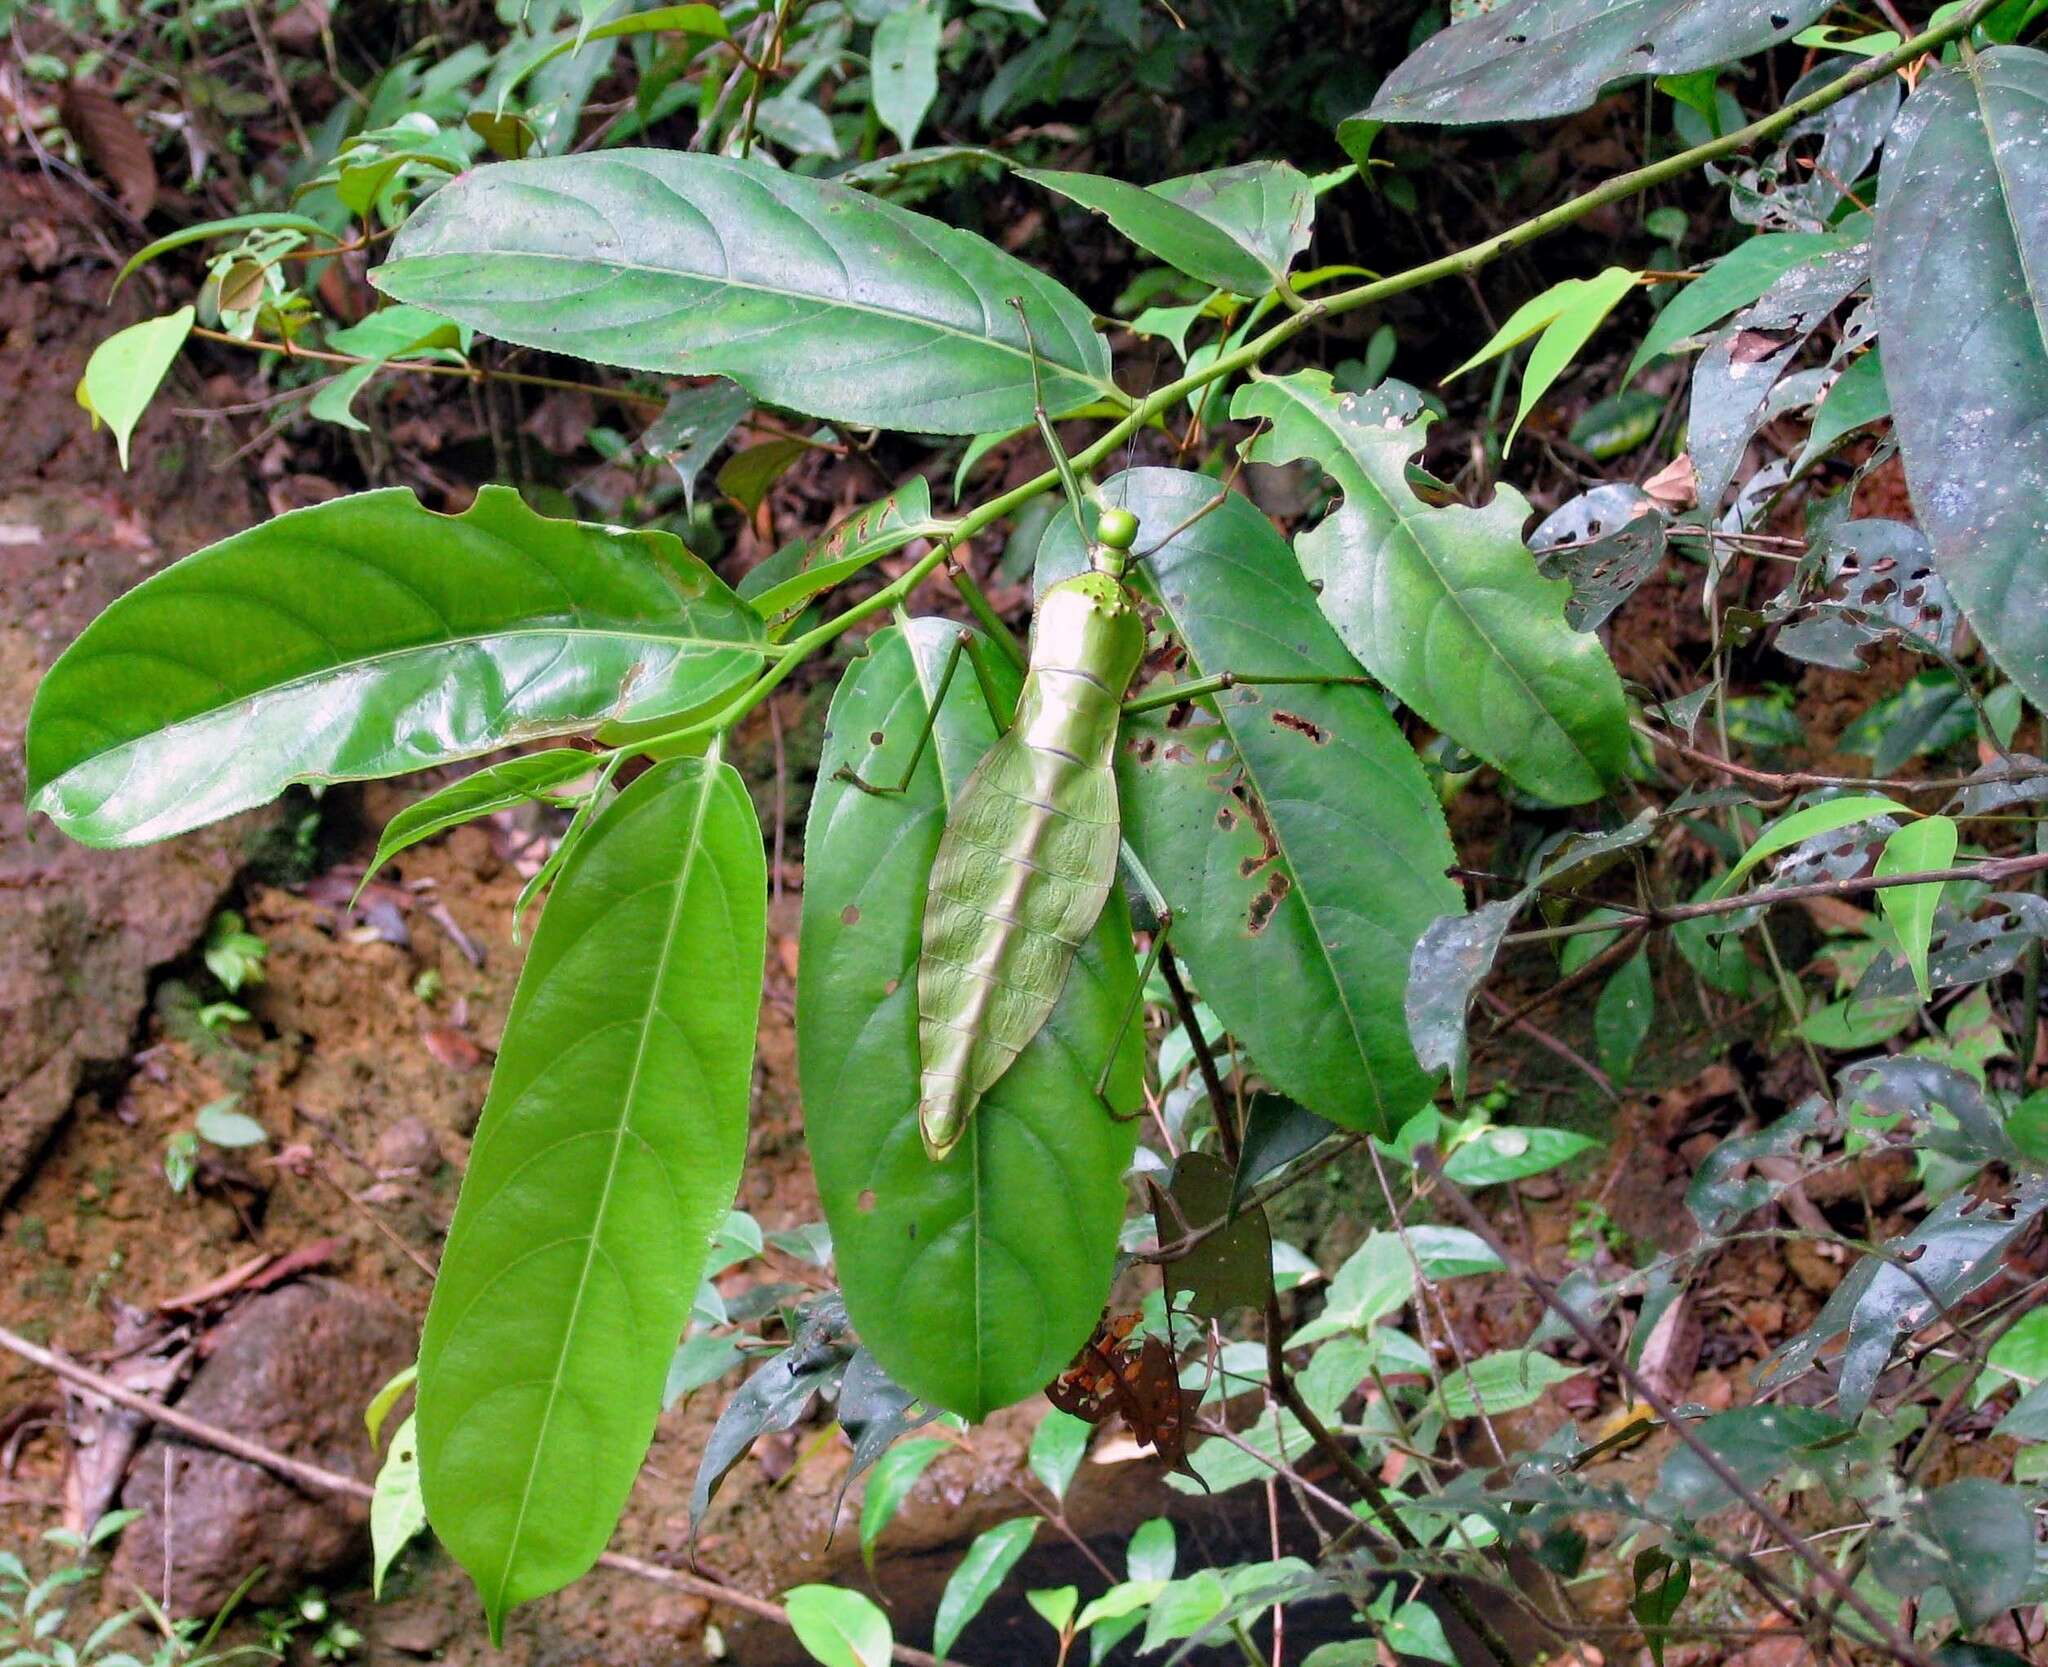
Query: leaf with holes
(1551, 57)
(809, 295)
(1445, 605)
(365, 637)
(1289, 825)
(1961, 280)
(607, 1156)
(974, 1280)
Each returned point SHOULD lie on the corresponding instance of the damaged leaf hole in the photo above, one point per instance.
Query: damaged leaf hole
(1303, 726)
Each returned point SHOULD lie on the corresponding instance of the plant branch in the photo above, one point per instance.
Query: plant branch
(1901, 1644)
(319, 1479)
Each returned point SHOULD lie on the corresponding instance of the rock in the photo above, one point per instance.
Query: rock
(84, 928)
(407, 1147)
(291, 1369)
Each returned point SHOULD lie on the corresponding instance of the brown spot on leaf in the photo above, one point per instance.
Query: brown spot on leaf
(876, 738)
(1263, 905)
(866, 1201)
(850, 915)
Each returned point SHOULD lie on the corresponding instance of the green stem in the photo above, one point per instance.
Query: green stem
(1247, 357)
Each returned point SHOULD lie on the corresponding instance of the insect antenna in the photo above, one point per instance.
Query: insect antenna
(1069, 482)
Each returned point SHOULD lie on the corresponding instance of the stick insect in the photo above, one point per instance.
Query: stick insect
(1033, 840)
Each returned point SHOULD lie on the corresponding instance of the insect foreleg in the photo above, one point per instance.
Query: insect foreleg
(1175, 693)
(1162, 923)
(963, 643)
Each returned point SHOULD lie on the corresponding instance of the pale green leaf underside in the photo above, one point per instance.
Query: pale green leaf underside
(1960, 273)
(809, 295)
(1551, 57)
(607, 1157)
(974, 1280)
(1445, 606)
(365, 637)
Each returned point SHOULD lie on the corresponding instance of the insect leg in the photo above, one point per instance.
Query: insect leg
(1162, 923)
(1069, 482)
(963, 643)
(1175, 693)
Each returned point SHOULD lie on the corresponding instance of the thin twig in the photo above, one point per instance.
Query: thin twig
(319, 1479)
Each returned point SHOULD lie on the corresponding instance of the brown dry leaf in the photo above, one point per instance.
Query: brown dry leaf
(452, 1048)
(1677, 485)
(108, 135)
(1671, 1352)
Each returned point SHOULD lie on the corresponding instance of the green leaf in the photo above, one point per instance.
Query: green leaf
(974, 1280)
(852, 545)
(122, 375)
(365, 637)
(1755, 1442)
(1732, 282)
(1799, 825)
(335, 402)
(385, 1399)
(1622, 1016)
(700, 20)
(839, 1628)
(1960, 273)
(1237, 228)
(1661, 1582)
(1232, 1268)
(895, 1474)
(1522, 62)
(1449, 1252)
(1505, 1382)
(1974, 1538)
(693, 425)
(1929, 715)
(1057, 1448)
(1414, 1630)
(211, 229)
(607, 1157)
(1150, 1555)
(1374, 1284)
(1056, 1606)
(480, 793)
(397, 1511)
(1567, 314)
(1445, 606)
(221, 1124)
(809, 295)
(1321, 876)
(1929, 843)
(1495, 1156)
(977, 1578)
(1858, 398)
(905, 69)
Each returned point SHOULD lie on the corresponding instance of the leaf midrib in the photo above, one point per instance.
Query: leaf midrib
(823, 303)
(709, 779)
(306, 680)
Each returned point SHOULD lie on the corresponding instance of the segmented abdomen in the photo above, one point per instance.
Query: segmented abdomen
(1021, 876)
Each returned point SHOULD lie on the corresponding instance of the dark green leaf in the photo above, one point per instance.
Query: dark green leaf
(1857, 399)
(1445, 605)
(976, 1279)
(1735, 280)
(1603, 544)
(1929, 715)
(608, 1154)
(1539, 58)
(1229, 1269)
(774, 1398)
(366, 637)
(810, 295)
(1661, 1584)
(895, 1474)
(1449, 962)
(1276, 1132)
(980, 1573)
(1290, 826)
(906, 69)
(1961, 276)
(1161, 226)
(1756, 1442)
(1974, 1538)
(693, 425)
(1622, 1017)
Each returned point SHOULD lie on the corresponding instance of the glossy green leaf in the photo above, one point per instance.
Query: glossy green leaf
(366, 637)
(1918, 847)
(122, 376)
(1495, 1156)
(1563, 320)
(895, 1474)
(809, 295)
(1799, 825)
(701, 20)
(381, 1404)
(1521, 62)
(839, 1628)
(607, 1157)
(905, 68)
(1236, 228)
(974, 1280)
(978, 1577)
(1961, 279)
(693, 425)
(397, 1512)
(1294, 832)
(1858, 398)
(1734, 281)
(852, 544)
(1057, 1447)
(1445, 606)
(493, 788)
(206, 230)
(1505, 1382)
